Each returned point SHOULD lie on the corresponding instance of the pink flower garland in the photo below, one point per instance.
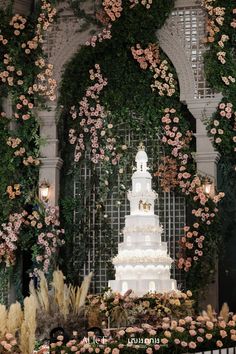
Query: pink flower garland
(149, 58)
(216, 18)
(12, 75)
(112, 8)
(93, 124)
(178, 145)
(226, 114)
(104, 35)
(192, 242)
(50, 239)
(146, 3)
(9, 234)
(19, 151)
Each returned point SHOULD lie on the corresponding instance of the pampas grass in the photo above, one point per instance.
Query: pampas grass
(210, 312)
(61, 293)
(28, 327)
(14, 318)
(21, 324)
(3, 319)
(24, 343)
(78, 295)
(83, 291)
(42, 297)
(62, 305)
(44, 309)
(224, 313)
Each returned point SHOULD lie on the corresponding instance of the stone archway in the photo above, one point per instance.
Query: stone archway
(170, 43)
(185, 49)
(65, 40)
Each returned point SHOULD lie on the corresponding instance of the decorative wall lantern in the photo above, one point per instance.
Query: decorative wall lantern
(44, 190)
(208, 186)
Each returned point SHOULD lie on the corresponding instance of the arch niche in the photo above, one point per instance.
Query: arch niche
(65, 40)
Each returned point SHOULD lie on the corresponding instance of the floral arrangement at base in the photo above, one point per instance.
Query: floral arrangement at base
(188, 334)
(115, 310)
(8, 344)
(45, 309)
(171, 333)
(59, 304)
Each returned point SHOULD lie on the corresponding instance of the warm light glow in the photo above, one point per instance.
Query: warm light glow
(152, 286)
(207, 186)
(142, 263)
(124, 287)
(44, 190)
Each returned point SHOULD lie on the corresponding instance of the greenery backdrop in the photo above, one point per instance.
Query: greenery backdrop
(132, 103)
(121, 78)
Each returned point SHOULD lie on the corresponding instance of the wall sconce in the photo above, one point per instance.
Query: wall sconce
(44, 190)
(208, 186)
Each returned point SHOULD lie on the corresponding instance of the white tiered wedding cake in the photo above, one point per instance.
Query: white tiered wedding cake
(142, 263)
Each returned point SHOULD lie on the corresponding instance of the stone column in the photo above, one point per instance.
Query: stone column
(51, 163)
(22, 7)
(207, 158)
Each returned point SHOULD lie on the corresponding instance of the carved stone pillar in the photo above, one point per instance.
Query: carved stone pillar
(51, 162)
(7, 107)
(206, 156)
(185, 50)
(22, 7)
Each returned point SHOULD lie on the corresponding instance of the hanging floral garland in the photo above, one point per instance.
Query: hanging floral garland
(163, 80)
(221, 73)
(94, 122)
(177, 171)
(88, 132)
(26, 78)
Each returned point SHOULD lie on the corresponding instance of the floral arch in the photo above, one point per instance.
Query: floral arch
(51, 162)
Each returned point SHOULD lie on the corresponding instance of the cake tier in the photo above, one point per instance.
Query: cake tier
(141, 221)
(142, 256)
(140, 239)
(146, 242)
(142, 230)
(141, 205)
(142, 286)
(140, 271)
(142, 194)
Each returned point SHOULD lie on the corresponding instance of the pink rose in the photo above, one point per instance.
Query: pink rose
(219, 344)
(192, 345)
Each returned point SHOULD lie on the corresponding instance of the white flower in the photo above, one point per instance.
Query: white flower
(213, 131)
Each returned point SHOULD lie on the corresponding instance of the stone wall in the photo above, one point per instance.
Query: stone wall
(22, 7)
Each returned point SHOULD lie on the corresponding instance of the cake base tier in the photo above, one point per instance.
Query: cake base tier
(141, 287)
(141, 271)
